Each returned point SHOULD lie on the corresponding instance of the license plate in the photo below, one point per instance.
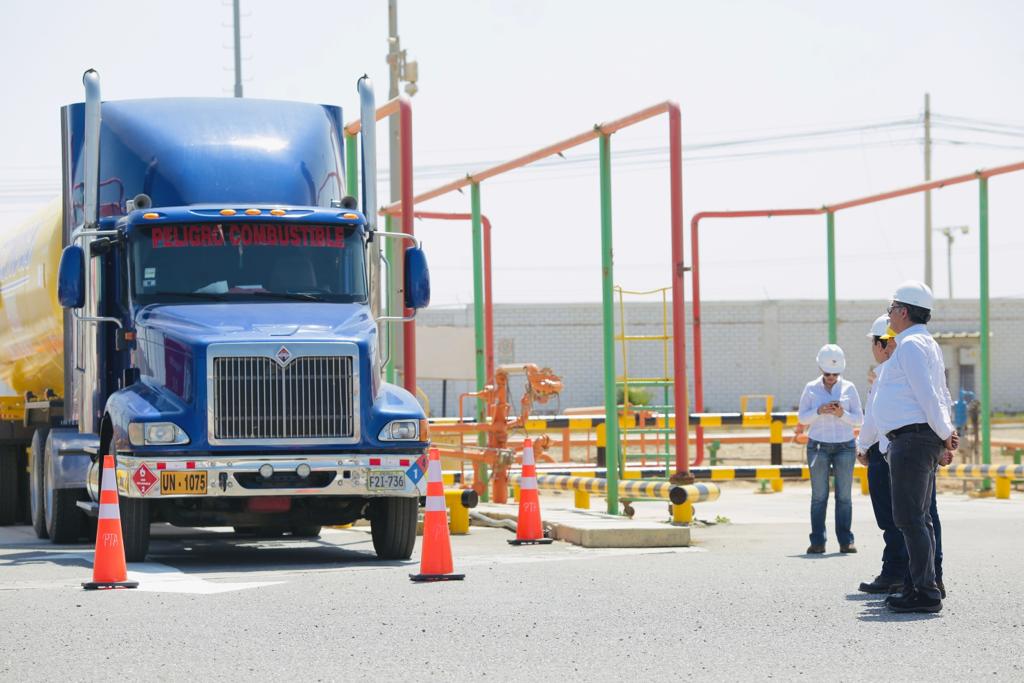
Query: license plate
(182, 483)
(387, 481)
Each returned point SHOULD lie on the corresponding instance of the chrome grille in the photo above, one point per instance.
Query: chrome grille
(311, 397)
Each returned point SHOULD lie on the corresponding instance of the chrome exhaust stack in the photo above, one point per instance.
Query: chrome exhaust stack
(91, 149)
(368, 136)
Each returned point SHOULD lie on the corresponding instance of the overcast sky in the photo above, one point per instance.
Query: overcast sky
(498, 78)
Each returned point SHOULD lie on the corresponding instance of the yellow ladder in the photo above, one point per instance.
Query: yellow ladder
(630, 422)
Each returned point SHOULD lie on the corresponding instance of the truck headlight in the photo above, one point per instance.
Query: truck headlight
(156, 434)
(401, 430)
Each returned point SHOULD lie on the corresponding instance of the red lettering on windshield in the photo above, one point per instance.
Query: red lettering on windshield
(248, 235)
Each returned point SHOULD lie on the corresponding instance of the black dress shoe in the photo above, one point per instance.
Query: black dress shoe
(917, 602)
(816, 550)
(882, 584)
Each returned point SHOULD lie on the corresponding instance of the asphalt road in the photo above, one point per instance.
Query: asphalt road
(743, 604)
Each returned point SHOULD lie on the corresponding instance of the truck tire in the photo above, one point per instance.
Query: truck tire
(8, 486)
(37, 482)
(393, 527)
(135, 528)
(60, 510)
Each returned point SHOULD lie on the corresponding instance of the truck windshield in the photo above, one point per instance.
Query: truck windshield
(254, 261)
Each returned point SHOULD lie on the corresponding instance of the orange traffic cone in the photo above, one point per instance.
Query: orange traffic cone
(436, 555)
(108, 567)
(529, 530)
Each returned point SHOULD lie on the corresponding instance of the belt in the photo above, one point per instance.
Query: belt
(909, 429)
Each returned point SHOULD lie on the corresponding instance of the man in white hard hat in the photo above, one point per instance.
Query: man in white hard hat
(830, 406)
(910, 408)
(895, 574)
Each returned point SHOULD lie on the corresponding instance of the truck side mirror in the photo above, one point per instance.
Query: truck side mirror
(71, 277)
(417, 279)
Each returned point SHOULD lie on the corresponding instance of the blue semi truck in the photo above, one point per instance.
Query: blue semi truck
(213, 323)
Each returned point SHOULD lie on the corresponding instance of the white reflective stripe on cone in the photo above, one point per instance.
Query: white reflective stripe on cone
(434, 504)
(527, 483)
(110, 511)
(528, 456)
(434, 470)
(109, 483)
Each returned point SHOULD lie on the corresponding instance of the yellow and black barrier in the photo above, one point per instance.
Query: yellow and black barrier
(1002, 474)
(459, 502)
(682, 497)
(591, 422)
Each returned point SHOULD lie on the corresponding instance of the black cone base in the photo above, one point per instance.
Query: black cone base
(539, 541)
(428, 578)
(97, 585)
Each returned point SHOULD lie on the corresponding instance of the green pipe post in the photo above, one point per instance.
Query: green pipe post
(351, 166)
(478, 311)
(611, 413)
(986, 406)
(832, 332)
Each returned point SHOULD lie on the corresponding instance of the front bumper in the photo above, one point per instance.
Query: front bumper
(239, 476)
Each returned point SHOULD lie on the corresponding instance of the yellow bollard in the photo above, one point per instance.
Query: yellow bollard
(1003, 488)
(458, 513)
(582, 498)
(448, 478)
(682, 513)
(777, 485)
(515, 492)
(864, 485)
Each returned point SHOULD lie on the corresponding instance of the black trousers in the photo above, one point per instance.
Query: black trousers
(913, 458)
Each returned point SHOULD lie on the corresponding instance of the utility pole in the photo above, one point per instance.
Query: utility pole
(238, 49)
(949, 234)
(399, 69)
(927, 193)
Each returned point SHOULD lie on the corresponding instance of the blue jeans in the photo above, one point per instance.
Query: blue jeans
(839, 458)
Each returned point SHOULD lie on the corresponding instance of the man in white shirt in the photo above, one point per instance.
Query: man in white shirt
(909, 408)
(831, 408)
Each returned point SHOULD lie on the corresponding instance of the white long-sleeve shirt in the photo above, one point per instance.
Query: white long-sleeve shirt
(912, 388)
(828, 428)
(869, 434)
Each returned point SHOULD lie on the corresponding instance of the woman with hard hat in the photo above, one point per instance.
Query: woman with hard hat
(830, 406)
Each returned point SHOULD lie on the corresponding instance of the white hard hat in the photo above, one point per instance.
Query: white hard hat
(914, 293)
(880, 328)
(831, 359)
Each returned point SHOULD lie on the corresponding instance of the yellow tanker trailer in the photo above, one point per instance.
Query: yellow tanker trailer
(31, 346)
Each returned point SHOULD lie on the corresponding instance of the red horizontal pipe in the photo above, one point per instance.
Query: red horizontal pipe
(383, 111)
(543, 152)
(698, 360)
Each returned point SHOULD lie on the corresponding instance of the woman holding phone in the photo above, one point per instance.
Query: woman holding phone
(830, 406)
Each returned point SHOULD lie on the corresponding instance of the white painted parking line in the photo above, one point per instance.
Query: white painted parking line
(154, 577)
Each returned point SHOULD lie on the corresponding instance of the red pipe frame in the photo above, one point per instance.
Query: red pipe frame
(698, 359)
(488, 300)
(678, 268)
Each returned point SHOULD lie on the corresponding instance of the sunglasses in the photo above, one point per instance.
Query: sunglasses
(893, 307)
(830, 374)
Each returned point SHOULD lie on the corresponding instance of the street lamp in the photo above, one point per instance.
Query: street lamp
(950, 232)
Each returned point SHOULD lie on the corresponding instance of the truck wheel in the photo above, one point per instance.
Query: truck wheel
(305, 530)
(393, 527)
(8, 486)
(135, 528)
(37, 482)
(60, 511)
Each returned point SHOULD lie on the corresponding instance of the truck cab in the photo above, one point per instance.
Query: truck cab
(221, 335)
